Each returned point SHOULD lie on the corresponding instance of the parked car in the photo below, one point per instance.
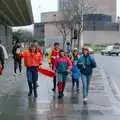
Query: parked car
(111, 50)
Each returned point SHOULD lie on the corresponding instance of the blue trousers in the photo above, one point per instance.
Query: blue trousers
(86, 83)
(32, 77)
(32, 74)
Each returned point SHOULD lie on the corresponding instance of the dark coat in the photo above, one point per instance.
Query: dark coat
(15, 56)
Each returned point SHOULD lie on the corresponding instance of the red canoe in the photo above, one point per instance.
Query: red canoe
(46, 72)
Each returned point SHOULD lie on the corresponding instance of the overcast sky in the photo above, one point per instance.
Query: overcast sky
(51, 5)
(43, 6)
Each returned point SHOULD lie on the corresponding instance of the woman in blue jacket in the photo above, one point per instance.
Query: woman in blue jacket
(86, 63)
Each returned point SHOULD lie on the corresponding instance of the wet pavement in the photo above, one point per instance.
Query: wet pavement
(16, 105)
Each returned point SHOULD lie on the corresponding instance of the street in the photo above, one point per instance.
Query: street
(111, 65)
(15, 104)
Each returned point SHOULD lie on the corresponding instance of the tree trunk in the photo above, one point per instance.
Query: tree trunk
(81, 40)
(64, 41)
(78, 42)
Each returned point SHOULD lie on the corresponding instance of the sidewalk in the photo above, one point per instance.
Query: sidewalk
(15, 104)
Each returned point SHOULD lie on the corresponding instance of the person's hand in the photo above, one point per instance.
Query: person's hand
(40, 65)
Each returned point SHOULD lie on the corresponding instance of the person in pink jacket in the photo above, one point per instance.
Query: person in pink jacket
(62, 66)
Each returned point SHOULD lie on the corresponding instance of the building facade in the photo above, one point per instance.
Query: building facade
(106, 7)
(100, 33)
(38, 31)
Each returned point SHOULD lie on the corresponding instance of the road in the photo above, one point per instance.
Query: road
(111, 66)
(16, 105)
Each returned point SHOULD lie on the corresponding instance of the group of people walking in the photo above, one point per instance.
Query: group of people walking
(63, 62)
(79, 65)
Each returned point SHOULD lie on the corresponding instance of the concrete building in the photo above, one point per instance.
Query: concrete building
(39, 31)
(94, 34)
(100, 27)
(107, 7)
(13, 13)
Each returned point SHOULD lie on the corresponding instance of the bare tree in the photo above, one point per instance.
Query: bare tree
(74, 14)
(62, 27)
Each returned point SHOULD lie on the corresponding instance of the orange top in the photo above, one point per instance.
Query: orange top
(32, 59)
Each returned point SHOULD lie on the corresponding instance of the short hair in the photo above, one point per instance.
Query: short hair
(56, 43)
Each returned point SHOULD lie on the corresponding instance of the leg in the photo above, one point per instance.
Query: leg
(15, 66)
(73, 83)
(20, 65)
(60, 85)
(54, 84)
(35, 88)
(84, 82)
(35, 79)
(64, 78)
(77, 85)
(88, 83)
(29, 79)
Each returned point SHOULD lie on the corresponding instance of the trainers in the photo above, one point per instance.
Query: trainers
(85, 100)
(15, 74)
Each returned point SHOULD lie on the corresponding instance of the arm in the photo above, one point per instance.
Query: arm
(41, 59)
(93, 62)
(80, 63)
(55, 64)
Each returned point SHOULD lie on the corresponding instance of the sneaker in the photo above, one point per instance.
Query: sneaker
(85, 100)
(15, 74)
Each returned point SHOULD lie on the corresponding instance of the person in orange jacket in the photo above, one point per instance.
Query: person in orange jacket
(53, 56)
(32, 60)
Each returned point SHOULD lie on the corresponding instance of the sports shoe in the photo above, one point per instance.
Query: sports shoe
(85, 100)
(15, 74)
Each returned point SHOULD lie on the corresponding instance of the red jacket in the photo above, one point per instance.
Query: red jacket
(54, 55)
(32, 59)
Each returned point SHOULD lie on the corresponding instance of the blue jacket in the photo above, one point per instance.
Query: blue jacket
(75, 72)
(86, 65)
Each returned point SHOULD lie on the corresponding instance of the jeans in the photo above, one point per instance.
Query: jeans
(32, 77)
(17, 63)
(86, 83)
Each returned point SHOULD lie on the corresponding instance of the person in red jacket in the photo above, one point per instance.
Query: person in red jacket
(53, 56)
(32, 60)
